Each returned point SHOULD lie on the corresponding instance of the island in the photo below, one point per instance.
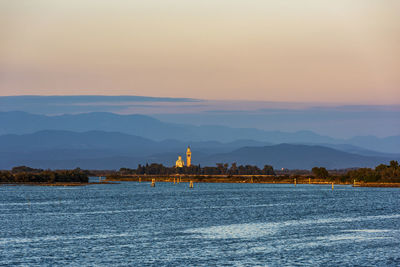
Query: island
(31, 176)
(381, 176)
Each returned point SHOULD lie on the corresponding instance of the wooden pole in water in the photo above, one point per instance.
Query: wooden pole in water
(191, 184)
(309, 180)
(332, 186)
(140, 179)
(252, 180)
(174, 180)
(153, 182)
(295, 182)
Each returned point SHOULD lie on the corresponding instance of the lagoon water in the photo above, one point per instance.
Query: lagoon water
(213, 224)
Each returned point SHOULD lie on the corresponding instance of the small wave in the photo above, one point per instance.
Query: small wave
(63, 237)
(254, 230)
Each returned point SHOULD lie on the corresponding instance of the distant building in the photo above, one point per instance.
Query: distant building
(179, 163)
(188, 157)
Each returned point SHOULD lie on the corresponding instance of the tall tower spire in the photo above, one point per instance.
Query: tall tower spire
(188, 157)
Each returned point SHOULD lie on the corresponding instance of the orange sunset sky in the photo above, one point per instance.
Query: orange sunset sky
(342, 51)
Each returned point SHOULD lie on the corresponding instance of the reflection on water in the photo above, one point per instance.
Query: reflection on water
(214, 224)
(246, 230)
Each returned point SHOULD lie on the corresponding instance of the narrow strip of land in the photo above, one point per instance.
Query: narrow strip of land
(260, 179)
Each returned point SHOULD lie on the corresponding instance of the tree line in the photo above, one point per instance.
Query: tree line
(23, 174)
(382, 173)
(219, 169)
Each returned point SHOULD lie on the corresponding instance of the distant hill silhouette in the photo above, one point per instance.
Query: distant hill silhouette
(148, 127)
(57, 139)
(113, 150)
(297, 157)
(334, 121)
(145, 126)
(109, 141)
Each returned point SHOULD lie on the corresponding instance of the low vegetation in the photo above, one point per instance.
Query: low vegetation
(23, 174)
(381, 174)
(219, 169)
(223, 173)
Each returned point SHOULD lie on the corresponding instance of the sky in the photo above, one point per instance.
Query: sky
(342, 51)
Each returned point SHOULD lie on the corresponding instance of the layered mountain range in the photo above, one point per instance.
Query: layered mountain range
(112, 141)
(145, 126)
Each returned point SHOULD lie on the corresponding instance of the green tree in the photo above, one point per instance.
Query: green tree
(320, 172)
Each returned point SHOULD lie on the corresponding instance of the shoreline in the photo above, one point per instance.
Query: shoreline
(57, 184)
(243, 179)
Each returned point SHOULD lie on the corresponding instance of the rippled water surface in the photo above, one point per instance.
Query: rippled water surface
(213, 224)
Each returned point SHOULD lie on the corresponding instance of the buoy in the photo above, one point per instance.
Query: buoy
(153, 182)
(191, 184)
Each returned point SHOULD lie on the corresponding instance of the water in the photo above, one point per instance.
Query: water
(213, 224)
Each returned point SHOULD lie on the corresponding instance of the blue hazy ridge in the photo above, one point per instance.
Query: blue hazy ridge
(113, 150)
